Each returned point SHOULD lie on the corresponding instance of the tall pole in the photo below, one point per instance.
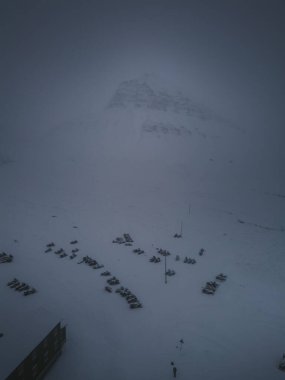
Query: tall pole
(165, 275)
(181, 229)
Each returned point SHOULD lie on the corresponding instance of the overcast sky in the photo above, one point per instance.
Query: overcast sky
(63, 58)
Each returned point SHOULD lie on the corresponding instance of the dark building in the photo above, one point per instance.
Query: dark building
(36, 364)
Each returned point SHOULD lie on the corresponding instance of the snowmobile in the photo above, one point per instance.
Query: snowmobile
(6, 258)
(208, 291)
(128, 238)
(125, 293)
(214, 284)
(97, 266)
(28, 292)
(221, 277)
(26, 287)
(113, 281)
(106, 273)
(20, 286)
(189, 260)
(132, 300)
(12, 282)
(201, 252)
(130, 296)
(135, 305)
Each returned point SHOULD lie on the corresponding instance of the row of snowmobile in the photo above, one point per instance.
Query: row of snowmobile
(163, 252)
(52, 244)
(61, 252)
(130, 297)
(126, 239)
(111, 281)
(212, 286)
(189, 260)
(5, 258)
(21, 287)
(91, 262)
(155, 259)
(124, 292)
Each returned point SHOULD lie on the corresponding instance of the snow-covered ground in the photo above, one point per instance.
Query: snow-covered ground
(149, 162)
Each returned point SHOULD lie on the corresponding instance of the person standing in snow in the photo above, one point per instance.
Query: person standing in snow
(174, 369)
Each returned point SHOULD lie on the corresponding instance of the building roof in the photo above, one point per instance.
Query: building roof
(22, 331)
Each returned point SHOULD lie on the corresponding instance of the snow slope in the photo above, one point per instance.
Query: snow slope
(152, 159)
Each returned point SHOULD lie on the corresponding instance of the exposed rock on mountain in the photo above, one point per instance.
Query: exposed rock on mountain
(140, 93)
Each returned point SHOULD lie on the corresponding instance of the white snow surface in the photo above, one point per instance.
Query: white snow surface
(143, 171)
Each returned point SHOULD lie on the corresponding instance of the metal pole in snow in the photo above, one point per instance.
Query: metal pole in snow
(165, 275)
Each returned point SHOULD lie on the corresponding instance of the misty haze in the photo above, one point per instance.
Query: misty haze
(143, 188)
